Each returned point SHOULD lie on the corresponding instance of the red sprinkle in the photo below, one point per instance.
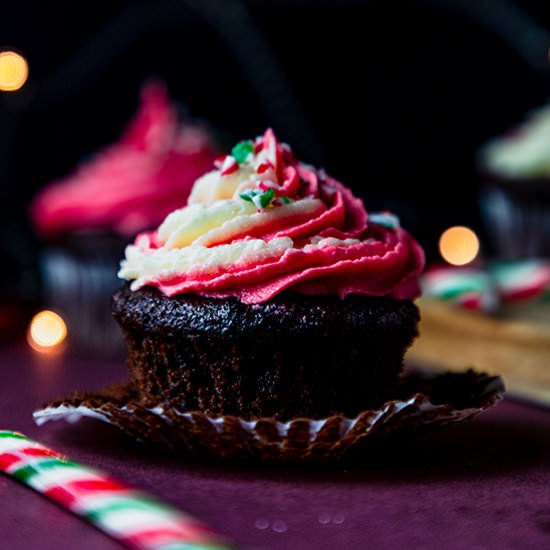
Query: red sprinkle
(230, 165)
(218, 163)
(264, 167)
(267, 185)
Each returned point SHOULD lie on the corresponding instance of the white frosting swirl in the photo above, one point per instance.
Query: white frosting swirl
(142, 265)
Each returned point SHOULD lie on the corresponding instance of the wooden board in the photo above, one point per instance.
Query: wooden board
(454, 339)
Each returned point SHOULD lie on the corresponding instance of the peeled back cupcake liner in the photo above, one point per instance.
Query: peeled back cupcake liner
(425, 402)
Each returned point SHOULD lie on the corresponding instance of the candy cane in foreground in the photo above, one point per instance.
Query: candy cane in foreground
(130, 516)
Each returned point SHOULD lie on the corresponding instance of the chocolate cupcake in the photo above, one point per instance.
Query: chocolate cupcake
(272, 293)
(515, 196)
(268, 320)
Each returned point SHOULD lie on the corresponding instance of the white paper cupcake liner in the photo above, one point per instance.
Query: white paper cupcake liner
(426, 402)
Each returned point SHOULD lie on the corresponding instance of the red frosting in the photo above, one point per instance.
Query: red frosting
(386, 261)
(134, 184)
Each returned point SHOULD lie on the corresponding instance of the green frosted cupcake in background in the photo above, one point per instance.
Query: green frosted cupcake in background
(515, 197)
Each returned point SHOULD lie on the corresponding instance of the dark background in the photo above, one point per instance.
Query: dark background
(392, 97)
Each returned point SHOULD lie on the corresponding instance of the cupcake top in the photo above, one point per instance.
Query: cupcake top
(133, 184)
(523, 152)
(262, 223)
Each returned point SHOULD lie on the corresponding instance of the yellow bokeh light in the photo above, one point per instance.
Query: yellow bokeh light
(46, 331)
(458, 245)
(14, 71)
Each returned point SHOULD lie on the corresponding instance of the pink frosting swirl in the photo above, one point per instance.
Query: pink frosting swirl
(133, 184)
(328, 242)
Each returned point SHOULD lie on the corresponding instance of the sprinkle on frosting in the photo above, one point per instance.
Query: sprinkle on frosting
(262, 223)
(260, 198)
(242, 150)
(387, 219)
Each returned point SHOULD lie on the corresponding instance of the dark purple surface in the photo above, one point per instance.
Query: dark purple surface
(485, 484)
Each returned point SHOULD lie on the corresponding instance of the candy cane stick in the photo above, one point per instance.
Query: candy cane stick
(522, 280)
(129, 515)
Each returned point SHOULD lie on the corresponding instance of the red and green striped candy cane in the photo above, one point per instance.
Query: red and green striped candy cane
(128, 515)
(522, 281)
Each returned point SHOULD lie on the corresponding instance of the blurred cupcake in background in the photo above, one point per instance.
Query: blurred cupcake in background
(85, 219)
(515, 198)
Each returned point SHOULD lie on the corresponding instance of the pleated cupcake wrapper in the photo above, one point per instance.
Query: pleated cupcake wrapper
(426, 403)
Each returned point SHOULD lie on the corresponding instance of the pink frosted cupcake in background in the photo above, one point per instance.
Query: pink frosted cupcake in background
(85, 219)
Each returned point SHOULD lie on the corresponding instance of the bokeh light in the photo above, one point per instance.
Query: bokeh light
(14, 71)
(458, 245)
(47, 331)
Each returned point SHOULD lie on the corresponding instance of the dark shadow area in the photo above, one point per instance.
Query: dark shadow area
(393, 98)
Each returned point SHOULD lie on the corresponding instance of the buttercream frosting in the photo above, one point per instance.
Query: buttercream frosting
(262, 223)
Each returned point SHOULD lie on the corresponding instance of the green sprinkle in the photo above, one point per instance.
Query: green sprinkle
(265, 199)
(261, 199)
(248, 195)
(385, 219)
(241, 151)
(285, 200)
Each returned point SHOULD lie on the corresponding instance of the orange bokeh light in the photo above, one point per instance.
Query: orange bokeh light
(47, 331)
(458, 245)
(14, 71)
